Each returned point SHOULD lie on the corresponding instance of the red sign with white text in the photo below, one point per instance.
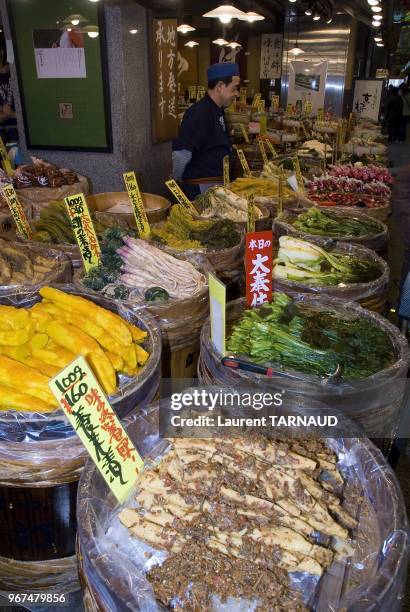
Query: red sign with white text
(258, 263)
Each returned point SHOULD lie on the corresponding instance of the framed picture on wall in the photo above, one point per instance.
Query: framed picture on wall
(61, 62)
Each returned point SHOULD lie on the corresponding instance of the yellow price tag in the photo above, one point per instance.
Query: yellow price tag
(137, 204)
(96, 424)
(280, 191)
(298, 172)
(244, 162)
(263, 151)
(289, 109)
(271, 148)
(192, 92)
(5, 159)
(325, 160)
(256, 99)
(17, 211)
(217, 302)
(180, 196)
(275, 103)
(251, 214)
(308, 107)
(243, 95)
(226, 170)
(200, 92)
(261, 106)
(244, 133)
(84, 230)
(320, 114)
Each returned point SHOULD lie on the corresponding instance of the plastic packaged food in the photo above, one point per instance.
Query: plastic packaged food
(113, 564)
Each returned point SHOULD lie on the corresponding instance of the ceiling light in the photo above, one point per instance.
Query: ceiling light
(378, 17)
(191, 43)
(225, 13)
(251, 16)
(378, 38)
(296, 51)
(91, 30)
(375, 24)
(329, 20)
(380, 44)
(220, 41)
(68, 29)
(372, 2)
(308, 12)
(93, 0)
(316, 17)
(234, 45)
(376, 9)
(292, 0)
(184, 28)
(135, 31)
(75, 20)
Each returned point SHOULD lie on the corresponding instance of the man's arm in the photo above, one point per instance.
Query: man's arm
(180, 160)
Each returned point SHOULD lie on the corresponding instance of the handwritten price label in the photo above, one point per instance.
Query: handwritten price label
(298, 172)
(84, 230)
(244, 133)
(17, 211)
(244, 162)
(176, 191)
(251, 214)
(137, 204)
(263, 151)
(5, 162)
(271, 148)
(256, 99)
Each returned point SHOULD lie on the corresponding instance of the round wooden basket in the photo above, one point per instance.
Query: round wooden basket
(156, 207)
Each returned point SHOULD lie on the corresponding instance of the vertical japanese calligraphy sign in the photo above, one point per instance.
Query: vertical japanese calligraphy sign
(192, 92)
(258, 265)
(271, 148)
(137, 204)
(275, 103)
(84, 230)
(320, 114)
(217, 303)
(17, 211)
(180, 196)
(5, 162)
(256, 99)
(271, 56)
(164, 50)
(96, 424)
(226, 164)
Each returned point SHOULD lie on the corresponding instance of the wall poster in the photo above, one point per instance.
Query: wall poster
(367, 97)
(307, 82)
(271, 56)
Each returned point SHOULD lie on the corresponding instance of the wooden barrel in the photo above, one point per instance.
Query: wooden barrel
(156, 207)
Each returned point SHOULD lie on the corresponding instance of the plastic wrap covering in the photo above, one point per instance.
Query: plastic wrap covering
(374, 403)
(69, 250)
(133, 392)
(377, 242)
(372, 295)
(261, 224)
(40, 197)
(114, 564)
(22, 260)
(381, 211)
(7, 225)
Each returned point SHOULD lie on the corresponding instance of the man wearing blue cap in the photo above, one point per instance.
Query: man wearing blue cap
(203, 142)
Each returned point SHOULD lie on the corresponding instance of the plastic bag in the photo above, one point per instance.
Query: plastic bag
(374, 403)
(378, 242)
(133, 392)
(371, 295)
(113, 563)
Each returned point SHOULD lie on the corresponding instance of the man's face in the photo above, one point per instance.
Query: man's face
(228, 93)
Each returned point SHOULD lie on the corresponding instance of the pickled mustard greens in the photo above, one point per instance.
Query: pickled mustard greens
(307, 339)
(319, 223)
(299, 260)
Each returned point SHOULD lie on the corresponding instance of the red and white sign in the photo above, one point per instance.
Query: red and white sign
(258, 262)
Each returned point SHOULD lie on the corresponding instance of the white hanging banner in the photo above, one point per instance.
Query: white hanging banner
(367, 96)
(307, 82)
(271, 56)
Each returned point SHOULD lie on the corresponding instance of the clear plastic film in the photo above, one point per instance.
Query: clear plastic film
(24, 259)
(374, 403)
(132, 393)
(381, 211)
(69, 250)
(113, 564)
(371, 295)
(378, 242)
(262, 223)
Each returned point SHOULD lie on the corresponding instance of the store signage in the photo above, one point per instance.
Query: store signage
(96, 424)
(261, 106)
(84, 231)
(137, 204)
(262, 150)
(226, 170)
(5, 162)
(298, 172)
(17, 211)
(180, 196)
(259, 264)
(164, 48)
(251, 213)
(256, 99)
(217, 302)
(244, 133)
(244, 162)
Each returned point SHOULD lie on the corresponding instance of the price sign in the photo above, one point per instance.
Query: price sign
(261, 106)
(96, 424)
(308, 107)
(320, 114)
(180, 196)
(263, 151)
(5, 162)
(84, 231)
(226, 170)
(271, 148)
(280, 191)
(200, 92)
(244, 133)
(289, 109)
(17, 211)
(256, 99)
(259, 264)
(217, 302)
(137, 204)
(192, 92)
(298, 172)
(244, 163)
(251, 214)
(325, 160)
(243, 94)
(275, 103)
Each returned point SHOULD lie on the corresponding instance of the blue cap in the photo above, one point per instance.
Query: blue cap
(222, 70)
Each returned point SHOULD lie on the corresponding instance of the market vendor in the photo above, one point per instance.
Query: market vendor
(203, 142)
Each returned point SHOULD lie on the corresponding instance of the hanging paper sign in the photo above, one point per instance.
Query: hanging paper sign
(226, 170)
(217, 302)
(298, 172)
(17, 211)
(84, 231)
(5, 162)
(180, 196)
(244, 133)
(256, 99)
(263, 151)
(96, 424)
(243, 160)
(251, 214)
(259, 264)
(137, 204)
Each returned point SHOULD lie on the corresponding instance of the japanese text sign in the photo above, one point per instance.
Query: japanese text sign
(244, 162)
(271, 56)
(96, 424)
(177, 192)
(226, 170)
(280, 191)
(164, 45)
(192, 92)
(271, 148)
(258, 264)
(137, 204)
(275, 103)
(84, 231)
(5, 162)
(244, 133)
(251, 213)
(298, 172)
(200, 92)
(256, 99)
(262, 150)
(243, 94)
(17, 211)
(217, 302)
(320, 114)
(308, 107)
